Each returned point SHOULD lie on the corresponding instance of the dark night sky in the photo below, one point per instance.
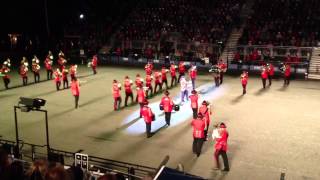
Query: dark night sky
(29, 16)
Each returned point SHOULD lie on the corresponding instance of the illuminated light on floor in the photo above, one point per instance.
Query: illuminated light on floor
(207, 92)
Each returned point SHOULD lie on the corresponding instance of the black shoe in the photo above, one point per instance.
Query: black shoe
(198, 154)
(226, 169)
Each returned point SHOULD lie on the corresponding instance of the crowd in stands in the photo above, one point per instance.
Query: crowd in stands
(11, 169)
(283, 23)
(206, 21)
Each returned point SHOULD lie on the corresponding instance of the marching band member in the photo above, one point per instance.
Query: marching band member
(215, 70)
(148, 68)
(138, 81)
(287, 73)
(148, 117)
(149, 80)
(127, 87)
(198, 125)
(182, 70)
(116, 87)
(48, 65)
(194, 103)
(264, 75)
(184, 88)
(4, 73)
(23, 71)
(157, 77)
(57, 78)
(75, 89)
(223, 68)
(73, 71)
(65, 73)
(167, 104)
(270, 73)
(141, 97)
(36, 69)
(205, 110)
(94, 64)
(173, 74)
(61, 61)
(244, 80)
(193, 75)
(164, 72)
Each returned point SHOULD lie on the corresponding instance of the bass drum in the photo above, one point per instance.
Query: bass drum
(176, 107)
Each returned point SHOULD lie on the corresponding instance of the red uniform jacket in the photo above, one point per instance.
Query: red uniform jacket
(244, 79)
(148, 69)
(23, 71)
(57, 76)
(141, 95)
(157, 76)
(65, 75)
(264, 74)
(75, 88)
(61, 61)
(198, 128)
(139, 82)
(5, 71)
(149, 80)
(115, 90)
(194, 101)
(147, 114)
(35, 68)
(204, 110)
(222, 142)
(271, 70)
(182, 68)
(172, 70)
(94, 62)
(193, 73)
(127, 85)
(164, 74)
(167, 104)
(287, 72)
(47, 64)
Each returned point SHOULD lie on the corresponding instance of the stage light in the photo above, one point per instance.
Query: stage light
(81, 16)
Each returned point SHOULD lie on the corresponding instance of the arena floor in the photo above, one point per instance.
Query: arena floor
(272, 131)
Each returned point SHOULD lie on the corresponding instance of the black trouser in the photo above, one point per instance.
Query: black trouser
(244, 87)
(148, 129)
(128, 94)
(155, 87)
(164, 81)
(270, 79)
(221, 77)
(58, 83)
(197, 145)
(286, 80)
(264, 81)
(76, 100)
(6, 82)
(117, 103)
(217, 81)
(195, 113)
(49, 74)
(65, 83)
(167, 117)
(224, 157)
(173, 79)
(25, 80)
(150, 89)
(36, 77)
(180, 75)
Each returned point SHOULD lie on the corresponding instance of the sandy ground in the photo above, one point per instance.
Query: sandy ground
(271, 131)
